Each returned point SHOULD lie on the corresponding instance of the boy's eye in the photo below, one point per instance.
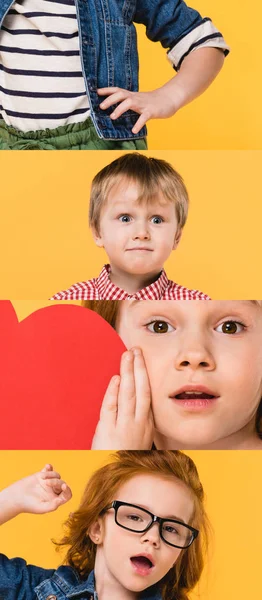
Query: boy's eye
(230, 327)
(156, 219)
(160, 327)
(124, 218)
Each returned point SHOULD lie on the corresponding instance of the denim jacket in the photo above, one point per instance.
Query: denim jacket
(19, 581)
(108, 47)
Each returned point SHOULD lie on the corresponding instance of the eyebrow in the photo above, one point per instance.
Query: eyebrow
(171, 517)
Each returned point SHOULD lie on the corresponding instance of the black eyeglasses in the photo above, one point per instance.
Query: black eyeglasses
(137, 519)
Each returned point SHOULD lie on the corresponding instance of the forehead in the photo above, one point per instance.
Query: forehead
(184, 309)
(161, 495)
(130, 190)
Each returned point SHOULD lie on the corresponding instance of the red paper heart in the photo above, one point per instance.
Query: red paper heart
(55, 368)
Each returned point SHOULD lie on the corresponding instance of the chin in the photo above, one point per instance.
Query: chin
(136, 587)
(193, 437)
(141, 264)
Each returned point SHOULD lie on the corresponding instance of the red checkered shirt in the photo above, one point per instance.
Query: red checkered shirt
(101, 288)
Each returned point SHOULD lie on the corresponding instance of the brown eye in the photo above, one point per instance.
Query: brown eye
(230, 327)
(159, 327)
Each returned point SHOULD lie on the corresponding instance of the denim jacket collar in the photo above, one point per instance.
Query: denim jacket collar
(73, 588)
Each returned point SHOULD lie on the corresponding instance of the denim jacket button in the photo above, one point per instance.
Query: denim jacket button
(52, 597)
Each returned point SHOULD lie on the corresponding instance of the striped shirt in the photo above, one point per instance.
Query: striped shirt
(205, 35)
(41, 80)
(101, 288)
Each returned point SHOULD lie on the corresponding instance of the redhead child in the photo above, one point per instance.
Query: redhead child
(138, 208)
(139, 533)
(196, 365)
(69, 70)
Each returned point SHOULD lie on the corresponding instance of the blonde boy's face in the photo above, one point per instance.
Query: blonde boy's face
(138, 238)
(118, 549)
(204, 361)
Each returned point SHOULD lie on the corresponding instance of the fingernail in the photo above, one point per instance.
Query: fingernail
(102, 104)
(113, 115)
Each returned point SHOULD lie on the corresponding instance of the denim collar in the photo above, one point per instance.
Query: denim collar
(88, 586)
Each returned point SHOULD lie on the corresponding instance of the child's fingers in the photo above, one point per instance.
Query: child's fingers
(47, 467)
(62, 498)
(108, 409)
(140, 122)
(46, 475)
(127, 391)
(66, 493)
(108, 91)
(122, 108)
(113, 99)
(143, 392)
(55, 485)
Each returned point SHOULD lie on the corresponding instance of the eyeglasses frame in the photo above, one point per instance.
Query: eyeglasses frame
(117, 503)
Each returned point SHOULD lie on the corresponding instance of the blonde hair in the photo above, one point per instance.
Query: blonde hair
(152, 175)
(101, 490)
(109, 310)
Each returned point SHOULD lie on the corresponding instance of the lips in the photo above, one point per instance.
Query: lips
(192, 393)
(195, 398)
(142, 563)
(139, 248)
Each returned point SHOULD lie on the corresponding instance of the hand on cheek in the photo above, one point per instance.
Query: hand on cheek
(126, 421)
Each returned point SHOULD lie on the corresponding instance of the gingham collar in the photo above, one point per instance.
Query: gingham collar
(109, 291)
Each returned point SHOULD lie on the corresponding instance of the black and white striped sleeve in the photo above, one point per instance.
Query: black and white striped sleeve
(178, 27)
(203, 35)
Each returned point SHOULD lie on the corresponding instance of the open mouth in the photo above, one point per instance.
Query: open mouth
(195, 396)
(142, 564)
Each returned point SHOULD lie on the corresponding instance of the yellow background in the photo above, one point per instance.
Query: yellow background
(233, 490)
(46, 246)
(228, 115)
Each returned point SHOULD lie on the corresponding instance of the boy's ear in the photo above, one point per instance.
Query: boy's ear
(97, 237)
(177, 238)
(95, 532)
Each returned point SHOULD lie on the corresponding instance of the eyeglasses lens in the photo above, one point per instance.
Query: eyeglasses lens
(136, 519)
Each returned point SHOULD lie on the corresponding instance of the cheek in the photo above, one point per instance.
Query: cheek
(243, 370)
(159, 366)
(133, 337)
(170, 558)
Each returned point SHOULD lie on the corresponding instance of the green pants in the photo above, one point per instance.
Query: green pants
(78, 136)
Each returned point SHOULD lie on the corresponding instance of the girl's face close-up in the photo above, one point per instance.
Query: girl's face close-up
(133, 561)
(204, 362)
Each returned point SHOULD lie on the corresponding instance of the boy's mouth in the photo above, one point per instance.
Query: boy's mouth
(194, 396)
(142, 563)
(140, 248)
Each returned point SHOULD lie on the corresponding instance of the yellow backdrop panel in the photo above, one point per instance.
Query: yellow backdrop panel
(45, 243)
(233, 489)
(228, 115)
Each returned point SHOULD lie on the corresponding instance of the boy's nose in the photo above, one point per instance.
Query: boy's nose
(141, 232)
(196, 354)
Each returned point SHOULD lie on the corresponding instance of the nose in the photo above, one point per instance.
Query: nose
(152, 536)
(195, 353)
(141, 230)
